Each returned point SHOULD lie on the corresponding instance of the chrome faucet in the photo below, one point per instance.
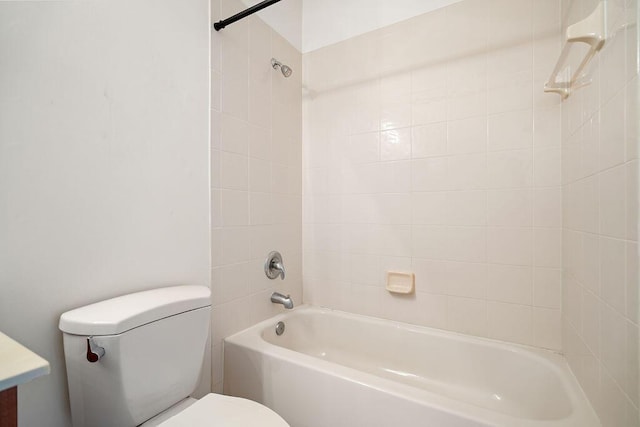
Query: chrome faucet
(278, 298)
(273, 266)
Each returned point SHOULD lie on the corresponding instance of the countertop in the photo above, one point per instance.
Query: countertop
(18, 364)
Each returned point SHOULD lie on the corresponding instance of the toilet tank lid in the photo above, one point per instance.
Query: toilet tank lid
(118, 315)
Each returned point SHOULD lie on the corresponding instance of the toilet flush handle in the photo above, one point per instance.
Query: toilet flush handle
(94, 351)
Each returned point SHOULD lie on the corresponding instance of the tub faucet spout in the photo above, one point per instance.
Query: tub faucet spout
(278, 298)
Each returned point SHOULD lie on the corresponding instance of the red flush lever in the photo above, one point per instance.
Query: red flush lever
(94, 351)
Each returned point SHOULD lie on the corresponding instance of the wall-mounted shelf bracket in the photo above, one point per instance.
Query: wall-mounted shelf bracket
(592, 31)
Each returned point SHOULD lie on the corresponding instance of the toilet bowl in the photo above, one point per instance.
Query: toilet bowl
(216, 410)
(134, 360)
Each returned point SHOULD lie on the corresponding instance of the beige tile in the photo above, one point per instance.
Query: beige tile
(234, 173)
(547, 250)
(467, 171)
(612, 201)
(547, 328)
(511, 208)
(466, 315)
(431, 276)
(467, 135)
(591, 319)
(235, 243)
(234, 208)
(511, 284)
(547, 288)
(612, 272)
(632, 201)
(259, 175)
(466, 208)
(632, 276)
(612, 142)
(511, 246)
(467, 280)
(510, 322)
(510, 169)
(260, 208)
(511, 130)
(395, 144)
(429, 140)
(430, 174)
(613, 339)
(364, 147)
(547, 167)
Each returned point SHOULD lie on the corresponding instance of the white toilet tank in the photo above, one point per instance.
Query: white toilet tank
(154, 344)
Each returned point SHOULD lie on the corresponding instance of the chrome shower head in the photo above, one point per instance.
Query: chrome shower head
(284, 69)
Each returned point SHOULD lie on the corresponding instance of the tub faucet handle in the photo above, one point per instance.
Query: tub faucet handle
(94, 351)
(273, 266)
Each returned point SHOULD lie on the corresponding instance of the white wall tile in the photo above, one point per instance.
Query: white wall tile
(510, 322)
(547, 127)
(510, 130)
(429, 140)
(511, 208)
(600, 196)
(260, 175)
(467, 135)
(395, 144)
(547, 167)
(467, 315)
(257, 166)
(547, 207)
(364, 147)
(512, 284)
(440, 158)
(431, 276)
(547, 328)
(612, 143)
(234, 173)
(430, 174)
(466, 208)
(234, 208)
(429, 208)
(467, 280)
(510, 246)
(612, 201)
(547, 247)
(547, 287)
(467, 171)
(612, 270)
(510, 169)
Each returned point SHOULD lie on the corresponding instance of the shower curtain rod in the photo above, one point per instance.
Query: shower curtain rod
(238, 16)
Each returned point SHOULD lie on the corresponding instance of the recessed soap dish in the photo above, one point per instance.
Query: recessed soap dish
(400, 283)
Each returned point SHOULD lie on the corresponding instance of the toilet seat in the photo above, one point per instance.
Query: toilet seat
(225, 411)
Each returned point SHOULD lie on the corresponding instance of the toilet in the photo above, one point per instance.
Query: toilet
(134, 360)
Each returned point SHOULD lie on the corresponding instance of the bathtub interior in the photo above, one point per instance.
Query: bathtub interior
(458, 367)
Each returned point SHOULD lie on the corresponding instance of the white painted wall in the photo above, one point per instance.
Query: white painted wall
(285, 17)
(326, 22)
(104, 158)
(311, 24)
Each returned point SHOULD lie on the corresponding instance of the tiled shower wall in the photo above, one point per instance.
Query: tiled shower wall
(600, 235)
(256, 159)
(430, 147)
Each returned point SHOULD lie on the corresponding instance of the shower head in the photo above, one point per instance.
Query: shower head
(285, 69)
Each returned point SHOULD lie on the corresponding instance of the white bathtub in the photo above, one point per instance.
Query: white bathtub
(334, 369)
